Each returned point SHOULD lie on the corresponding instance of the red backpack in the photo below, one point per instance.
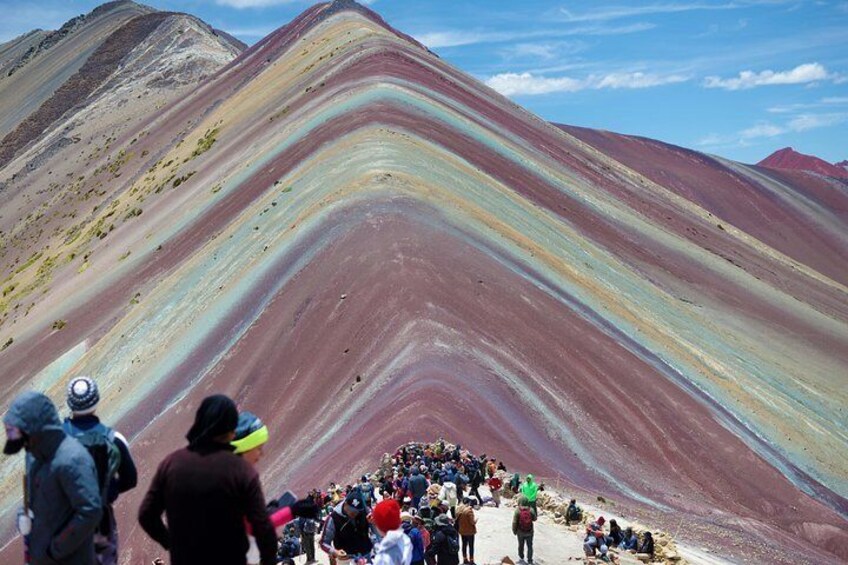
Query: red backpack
(525, 519)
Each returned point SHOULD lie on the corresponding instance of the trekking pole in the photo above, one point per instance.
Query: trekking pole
(26, 513)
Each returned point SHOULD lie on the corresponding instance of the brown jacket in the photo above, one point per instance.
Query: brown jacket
(207, 493)
(466, 521)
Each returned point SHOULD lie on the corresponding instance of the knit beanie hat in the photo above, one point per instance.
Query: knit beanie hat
(386, 515)
(250, 433)
(83, 396)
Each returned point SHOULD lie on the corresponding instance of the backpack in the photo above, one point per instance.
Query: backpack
(453, 542)
(99, 441)
(525, 519)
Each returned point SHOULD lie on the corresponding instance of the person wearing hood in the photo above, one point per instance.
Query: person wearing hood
(444, 546)
(466, 524)
(515, 483)
(630, 541)
(647, 545)
(449, 496)
(530, 491)
(83, 397)
(346, 529)
(417, 487)
(65, 506)
(207, 493)
(412, 528)
(395, 548)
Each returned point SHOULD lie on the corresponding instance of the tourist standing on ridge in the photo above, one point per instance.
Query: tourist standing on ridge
(523, 528)
(250, 437)
(444, 546)
(530, 491)
(466, 525)
(346, 530)
(116, 472)
(515, 483)
(367, 490)
(495, 485)
(475, 476)
(449, 496)
(418, 487)
(64, 504)
(395, 548)
(413, 527)
(207, 493)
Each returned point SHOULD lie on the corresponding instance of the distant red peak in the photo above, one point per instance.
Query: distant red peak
(788, 158)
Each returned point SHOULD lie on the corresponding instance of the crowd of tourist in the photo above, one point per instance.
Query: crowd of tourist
(419, 508)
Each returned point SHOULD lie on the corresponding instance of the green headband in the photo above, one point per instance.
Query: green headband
(251, 441)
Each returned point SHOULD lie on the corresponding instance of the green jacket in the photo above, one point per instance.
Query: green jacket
(530, 489)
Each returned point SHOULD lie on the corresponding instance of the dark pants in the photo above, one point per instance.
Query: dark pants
(106, 546)
(417, 562)
(468, 548)
(416, 502)
(307, 542)
(476, 493)
(453, 512)
(528, 539)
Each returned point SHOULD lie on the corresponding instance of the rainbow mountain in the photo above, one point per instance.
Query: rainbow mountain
(366, 246)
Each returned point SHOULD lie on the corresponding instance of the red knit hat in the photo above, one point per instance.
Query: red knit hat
(386, 515)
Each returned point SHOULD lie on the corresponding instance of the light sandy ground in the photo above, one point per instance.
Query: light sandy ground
(554, 544)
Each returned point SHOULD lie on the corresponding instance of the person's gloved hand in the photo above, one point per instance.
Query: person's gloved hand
(305, 508)
(25, 521)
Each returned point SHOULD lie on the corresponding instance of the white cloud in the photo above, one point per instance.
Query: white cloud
(796, 124)
(806, 73)
(257, 32)
(457, 38)
(822, 103)
(512, 84)
(806, 122)
(617, 12)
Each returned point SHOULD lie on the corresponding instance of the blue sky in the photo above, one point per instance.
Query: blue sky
(738, 78)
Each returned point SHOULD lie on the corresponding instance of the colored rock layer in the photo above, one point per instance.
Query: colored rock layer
(788, 158)
(365, 246)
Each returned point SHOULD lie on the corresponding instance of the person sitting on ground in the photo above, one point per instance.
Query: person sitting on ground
(395, 548)
(530, 490)
(495, 485)
(616, 536)
(630, 541)
(346, 530)
(647, 545)
(444, 545)
(413, 531)
(515, 483)
(595, 538)
(466, 525)
(523, 528)
(207, 480)
(573, 513)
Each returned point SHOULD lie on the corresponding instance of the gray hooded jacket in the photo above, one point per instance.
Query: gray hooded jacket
(62, 484)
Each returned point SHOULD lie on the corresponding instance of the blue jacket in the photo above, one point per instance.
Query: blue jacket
(62, 484)
(414, 536)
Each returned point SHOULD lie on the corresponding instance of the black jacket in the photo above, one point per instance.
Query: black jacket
(207, 492)
(445, 552)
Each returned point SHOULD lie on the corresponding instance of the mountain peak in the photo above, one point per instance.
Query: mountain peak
(789, 159)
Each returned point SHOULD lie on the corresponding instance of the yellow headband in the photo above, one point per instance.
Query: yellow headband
(251, 441)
